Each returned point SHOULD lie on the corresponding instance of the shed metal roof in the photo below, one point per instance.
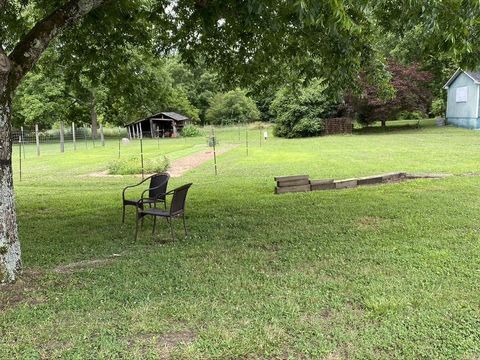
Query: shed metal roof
(168, 114)
(474, 75)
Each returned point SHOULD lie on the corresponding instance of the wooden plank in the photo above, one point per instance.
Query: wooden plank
(322, 181)
(287, 189)
(323, 186)
(393, 176)
(289, 178)
(346, 184)
(368, 180)
(293, 182)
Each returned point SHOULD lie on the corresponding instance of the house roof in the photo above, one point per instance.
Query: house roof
(168, 114)
(474, 75)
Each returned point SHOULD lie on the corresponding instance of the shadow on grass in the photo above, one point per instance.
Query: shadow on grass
(396, 126)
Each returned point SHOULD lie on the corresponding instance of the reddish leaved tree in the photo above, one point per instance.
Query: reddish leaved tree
(412, 93)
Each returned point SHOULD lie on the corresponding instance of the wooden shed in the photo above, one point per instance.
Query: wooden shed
(164, 124)
(463, 99)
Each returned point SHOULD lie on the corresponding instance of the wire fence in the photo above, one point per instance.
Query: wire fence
(31, 144)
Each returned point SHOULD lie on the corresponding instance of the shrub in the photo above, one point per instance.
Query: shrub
(132, 165)
(300, 111)
(232, 108)
(438, 107)
(411, 115)
(191, 131)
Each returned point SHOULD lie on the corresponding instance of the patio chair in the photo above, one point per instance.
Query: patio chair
(156, 193)
(176, 210)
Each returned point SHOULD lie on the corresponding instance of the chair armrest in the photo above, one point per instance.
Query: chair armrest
(132, 186)
(154, 188)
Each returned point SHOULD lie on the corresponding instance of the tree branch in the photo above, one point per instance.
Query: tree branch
(34, 43)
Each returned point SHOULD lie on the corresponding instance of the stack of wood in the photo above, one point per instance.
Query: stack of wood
(287, 184)
(342, 125)
(301, 183)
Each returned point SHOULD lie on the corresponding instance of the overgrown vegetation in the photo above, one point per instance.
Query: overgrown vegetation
(234, 107)
(300, 110)
(133, 165)
(191, 131)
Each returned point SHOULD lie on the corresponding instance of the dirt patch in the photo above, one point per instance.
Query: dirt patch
(164, 344)
(369, 222)
(24, 291)
(103, 173)
(181, 166)
(85, 264)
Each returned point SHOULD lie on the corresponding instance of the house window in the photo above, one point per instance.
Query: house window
(461, 94)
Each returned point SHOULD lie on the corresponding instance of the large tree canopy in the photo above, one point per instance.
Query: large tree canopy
(248, 42)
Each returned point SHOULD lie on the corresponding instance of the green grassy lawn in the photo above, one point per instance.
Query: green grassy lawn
(389, 271)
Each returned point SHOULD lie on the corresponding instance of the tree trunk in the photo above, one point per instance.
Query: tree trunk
(12, 70)
(384, 123)
(10, 263)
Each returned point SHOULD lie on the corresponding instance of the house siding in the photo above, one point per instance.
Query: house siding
(463, 114)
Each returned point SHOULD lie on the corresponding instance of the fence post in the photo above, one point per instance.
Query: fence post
(23, 142)
(37, 139)
(62, 137)
(73, 137)
(85, 137)
(214, 140)
(20, 153)
(102, 137)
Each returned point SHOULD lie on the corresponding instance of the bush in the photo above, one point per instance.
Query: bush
(300, 111)
(232, 108)
(438, 107)
(191, 131)
(308, 127)
(411, 115)
(132, 165)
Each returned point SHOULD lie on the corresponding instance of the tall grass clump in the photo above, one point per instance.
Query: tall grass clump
(133, 165)
(191, 131)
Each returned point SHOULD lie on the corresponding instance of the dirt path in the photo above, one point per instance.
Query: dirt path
(181, 166)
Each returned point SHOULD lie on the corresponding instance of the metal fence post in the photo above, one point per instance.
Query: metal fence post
(23, 142)
(20, 155)
(214, 139)
(73, 137)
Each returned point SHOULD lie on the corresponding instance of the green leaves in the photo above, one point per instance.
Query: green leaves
(234, 107)
(300, 110)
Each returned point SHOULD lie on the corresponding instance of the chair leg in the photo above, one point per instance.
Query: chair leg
(184, 224)
(136, 228)
(154, 224)
(169, 220)
(123, 215)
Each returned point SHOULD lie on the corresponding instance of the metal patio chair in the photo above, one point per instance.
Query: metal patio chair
(156, 193)
(176, 210)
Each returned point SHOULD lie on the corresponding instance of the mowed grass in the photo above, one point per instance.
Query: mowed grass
(389, 271)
